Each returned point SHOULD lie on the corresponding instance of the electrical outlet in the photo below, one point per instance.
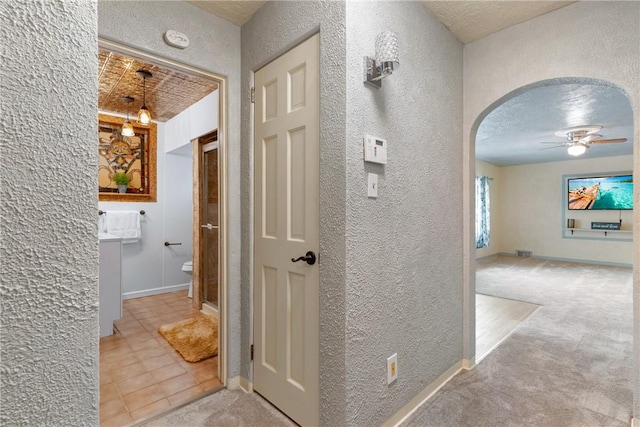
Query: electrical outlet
(392, 368)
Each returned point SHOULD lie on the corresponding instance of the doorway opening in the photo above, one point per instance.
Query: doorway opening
(142, 372)
(532, 173)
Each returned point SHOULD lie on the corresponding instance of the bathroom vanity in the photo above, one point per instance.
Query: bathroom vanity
(110, 282)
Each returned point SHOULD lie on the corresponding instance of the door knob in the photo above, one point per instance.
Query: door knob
(309, 258)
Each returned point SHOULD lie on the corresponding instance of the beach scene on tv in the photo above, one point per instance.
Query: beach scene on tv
(608, 192)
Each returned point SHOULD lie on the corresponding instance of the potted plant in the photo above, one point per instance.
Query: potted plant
(122, 181)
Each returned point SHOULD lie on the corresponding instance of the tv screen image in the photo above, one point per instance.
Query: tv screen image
(601, 192)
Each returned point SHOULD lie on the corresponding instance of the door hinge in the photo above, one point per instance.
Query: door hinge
(253, 95)
(251, 351)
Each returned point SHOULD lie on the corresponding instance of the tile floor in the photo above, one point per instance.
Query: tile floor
(140, 373)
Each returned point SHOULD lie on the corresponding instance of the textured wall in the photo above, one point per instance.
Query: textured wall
(215, 47)
(49, 244)
(551, 46)
(405, 231)
(275, 28)
(404, 249)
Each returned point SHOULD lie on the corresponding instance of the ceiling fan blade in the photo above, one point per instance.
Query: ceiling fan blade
(549, 148)
(590, 137)
(608, 141)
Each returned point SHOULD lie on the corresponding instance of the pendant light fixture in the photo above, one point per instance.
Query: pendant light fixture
(144, 115)
(127, 127)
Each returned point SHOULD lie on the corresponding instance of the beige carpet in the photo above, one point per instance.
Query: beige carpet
(195, 339)
(226, 408)
(570, 364)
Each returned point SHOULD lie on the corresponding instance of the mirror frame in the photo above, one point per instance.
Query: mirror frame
(152, 131)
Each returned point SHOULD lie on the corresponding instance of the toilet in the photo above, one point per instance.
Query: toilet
(187, 267)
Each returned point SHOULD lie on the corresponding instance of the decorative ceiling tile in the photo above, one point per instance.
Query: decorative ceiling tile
(169, 92)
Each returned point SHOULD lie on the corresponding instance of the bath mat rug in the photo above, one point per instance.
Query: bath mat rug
(195, 339)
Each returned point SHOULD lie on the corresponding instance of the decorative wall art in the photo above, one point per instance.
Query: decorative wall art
(133, 156)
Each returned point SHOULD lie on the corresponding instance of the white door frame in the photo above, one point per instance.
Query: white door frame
(222, 141)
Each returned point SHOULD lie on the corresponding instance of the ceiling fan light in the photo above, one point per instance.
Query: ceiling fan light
(144, 115)
(576, 150)
(127, 129)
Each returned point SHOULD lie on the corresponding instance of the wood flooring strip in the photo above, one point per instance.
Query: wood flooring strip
(496, 319)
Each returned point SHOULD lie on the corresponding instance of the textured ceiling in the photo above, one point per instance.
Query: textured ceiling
(511, 134)
(237, 12)
(467, 20)
(514, 132)
(168, 92)
(472, 20)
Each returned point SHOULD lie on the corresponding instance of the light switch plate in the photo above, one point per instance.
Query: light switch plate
(372, 185)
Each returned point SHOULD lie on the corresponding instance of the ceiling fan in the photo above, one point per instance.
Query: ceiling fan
(580, 138)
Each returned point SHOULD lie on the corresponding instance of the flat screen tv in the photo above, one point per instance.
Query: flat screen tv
(601, 193)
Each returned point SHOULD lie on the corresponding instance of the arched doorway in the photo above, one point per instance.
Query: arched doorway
(573, 116)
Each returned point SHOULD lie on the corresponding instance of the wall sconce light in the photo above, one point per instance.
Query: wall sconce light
(144, 115)
(385, 62)
(127, 127)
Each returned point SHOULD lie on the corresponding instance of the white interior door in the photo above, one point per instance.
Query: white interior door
(286, 224)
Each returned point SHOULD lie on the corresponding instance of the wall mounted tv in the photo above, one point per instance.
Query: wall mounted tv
(601, 193)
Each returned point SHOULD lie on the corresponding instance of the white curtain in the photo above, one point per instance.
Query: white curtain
(482, 212)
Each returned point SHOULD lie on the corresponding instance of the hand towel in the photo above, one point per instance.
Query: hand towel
(125, 224)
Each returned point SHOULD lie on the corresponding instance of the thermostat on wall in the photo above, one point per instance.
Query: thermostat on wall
(375, 150)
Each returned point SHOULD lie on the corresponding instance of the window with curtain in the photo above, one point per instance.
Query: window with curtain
(482, 212)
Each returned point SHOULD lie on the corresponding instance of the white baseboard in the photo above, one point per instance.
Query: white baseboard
(468, 364)
(246, 385)
(488, 257)
(408, 409)
(241, 383)
(155, 291)
(211, 311)
(580, 261)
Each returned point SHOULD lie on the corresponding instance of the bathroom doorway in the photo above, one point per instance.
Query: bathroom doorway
(141, 372)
